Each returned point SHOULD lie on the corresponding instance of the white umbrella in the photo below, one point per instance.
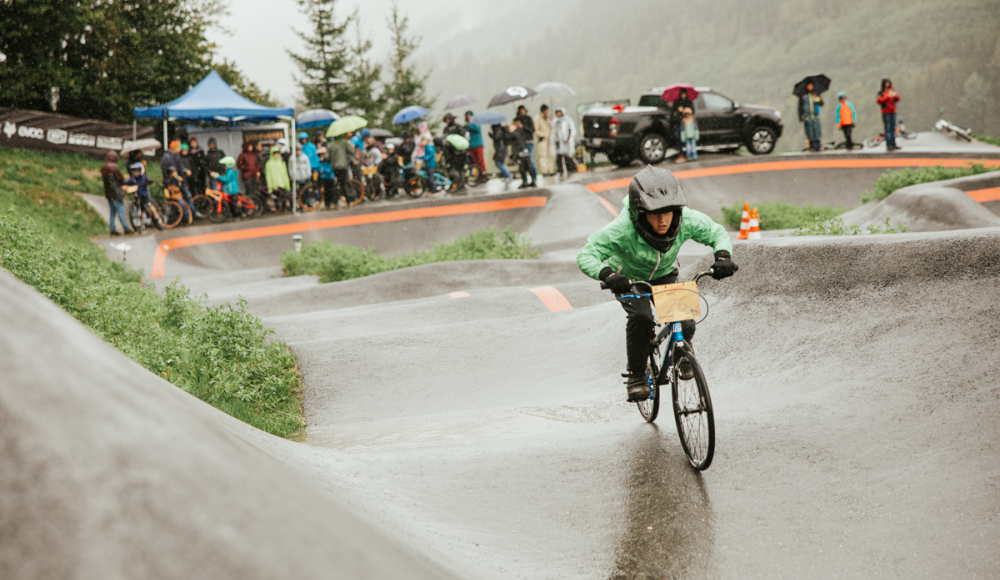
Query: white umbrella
(554, 89)
(140, 145)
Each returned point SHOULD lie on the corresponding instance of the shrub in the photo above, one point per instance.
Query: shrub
(835, 227)
(335, 262)
(892, 180)
(987, 139)
(222, 355)
(780, 215)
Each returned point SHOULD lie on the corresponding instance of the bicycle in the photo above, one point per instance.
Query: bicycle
(138, 213)
(173, 212)
(217, 205)
(692, 403)
(953, 130)
(900, 132)
(372, 183)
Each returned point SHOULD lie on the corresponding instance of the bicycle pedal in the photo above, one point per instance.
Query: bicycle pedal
(625, 375)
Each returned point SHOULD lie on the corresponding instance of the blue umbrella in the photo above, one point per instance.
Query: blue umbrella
(315, 118)
(489, 118)
(411, 113)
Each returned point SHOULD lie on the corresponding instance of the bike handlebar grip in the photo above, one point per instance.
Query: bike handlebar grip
(604, 286)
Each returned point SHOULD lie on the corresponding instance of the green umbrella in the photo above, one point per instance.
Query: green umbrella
(345, 124)
(458, 142)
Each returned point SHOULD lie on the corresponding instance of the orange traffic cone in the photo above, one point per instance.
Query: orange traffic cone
(754, 233)
(744, 222)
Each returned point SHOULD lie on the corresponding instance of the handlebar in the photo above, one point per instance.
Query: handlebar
(708, 272)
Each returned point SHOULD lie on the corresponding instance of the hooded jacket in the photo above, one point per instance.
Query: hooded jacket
(112, 177)
(212, 157)
(563, 134)
(886, 102)
(303, 167)
(619, 246)
(247, 162)
(310, 151)
(172, 160)
(340, 153)
(843, 120)
(275, 172)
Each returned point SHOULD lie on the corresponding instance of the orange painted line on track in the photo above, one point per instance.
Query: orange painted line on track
(160, 257)
(983, 195)
(551, 298)
(805, 164)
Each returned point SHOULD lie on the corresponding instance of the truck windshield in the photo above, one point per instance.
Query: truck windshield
(652, 101)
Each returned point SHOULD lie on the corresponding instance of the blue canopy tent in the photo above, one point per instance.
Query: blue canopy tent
(213, 99)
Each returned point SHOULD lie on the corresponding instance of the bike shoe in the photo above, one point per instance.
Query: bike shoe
(638, 388)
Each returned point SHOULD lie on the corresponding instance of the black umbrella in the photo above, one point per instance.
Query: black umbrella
(821, 83)
(511, 94)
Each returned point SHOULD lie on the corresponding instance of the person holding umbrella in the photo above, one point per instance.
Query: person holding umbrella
(340, 153)
(476, 146)
(543, 130)
(808, 90)
(528, 126)
(683, 105)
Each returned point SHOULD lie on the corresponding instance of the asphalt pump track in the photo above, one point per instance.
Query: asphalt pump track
(468, 420)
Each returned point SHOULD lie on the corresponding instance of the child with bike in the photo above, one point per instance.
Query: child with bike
(391, 171)
(642, 243)
(138, 183)
(230, 183)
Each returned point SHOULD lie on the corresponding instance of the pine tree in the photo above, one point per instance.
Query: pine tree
(407, 86)
(325, 65)
(363, 78)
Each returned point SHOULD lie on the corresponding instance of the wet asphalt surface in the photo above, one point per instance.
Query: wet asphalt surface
(854, 384)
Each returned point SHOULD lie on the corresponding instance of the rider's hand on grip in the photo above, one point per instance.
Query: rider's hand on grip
(724, 265)
(616, 282)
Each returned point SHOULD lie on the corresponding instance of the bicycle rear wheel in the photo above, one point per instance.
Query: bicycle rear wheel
(204, 204)
(415, 186)
(172, 214)
(650, 407)
(219, 215)
(693, 412)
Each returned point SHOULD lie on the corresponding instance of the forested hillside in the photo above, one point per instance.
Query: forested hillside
(940, 54)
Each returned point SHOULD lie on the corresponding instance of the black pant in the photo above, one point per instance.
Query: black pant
(341, 175)
(329, 192)
(456, 173)
(524, 168)
(565, 162)
(640, 326)
(847, 129)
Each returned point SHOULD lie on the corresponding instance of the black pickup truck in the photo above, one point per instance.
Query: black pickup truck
(646, 131)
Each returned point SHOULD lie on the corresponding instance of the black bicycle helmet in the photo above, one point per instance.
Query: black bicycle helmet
(655, 190)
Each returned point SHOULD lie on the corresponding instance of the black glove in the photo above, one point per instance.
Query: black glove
(724, 265)
(616, 282)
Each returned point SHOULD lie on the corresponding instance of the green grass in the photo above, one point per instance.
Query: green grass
(223, 355)
(835, 227)
(987, 139)
(892, 180)
(334, 262)
(780, 215)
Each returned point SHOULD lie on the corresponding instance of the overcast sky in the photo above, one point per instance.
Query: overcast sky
(262, 30)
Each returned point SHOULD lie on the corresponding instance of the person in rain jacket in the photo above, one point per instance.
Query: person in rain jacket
(519, 152)
(429, 160)
(499, 134)
(340, 153)
(213, 156)
(309, 150)
(230, 182)
(543, 130)
(327, 180)
(846, 118)
(642, 243)
(249, 168)
(564, 141)
(476, 146)
(173, 161)
(113, 179)
(276, 176)
(303, 169)
(809, 104)
(887, 99)
(196, 162)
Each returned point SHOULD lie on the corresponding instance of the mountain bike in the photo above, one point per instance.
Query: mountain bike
(371, 183)
(692, 403)
(173, 210)
(217, 205)
(310, 196)
(900, 132)
(139, 214)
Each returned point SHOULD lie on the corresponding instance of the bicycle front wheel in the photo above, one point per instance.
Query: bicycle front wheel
(204, 204)
(135, 215)
(172, 214)
(309, 197)
(693, 412)
(354, 192)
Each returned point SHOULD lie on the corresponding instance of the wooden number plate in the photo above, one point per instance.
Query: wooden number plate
(676, 302)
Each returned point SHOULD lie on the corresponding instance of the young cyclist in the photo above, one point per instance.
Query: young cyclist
(139, 183)
(642, 243)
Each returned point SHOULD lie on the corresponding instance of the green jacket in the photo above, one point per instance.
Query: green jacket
(340, 152)
(276, 174)
(618, 245)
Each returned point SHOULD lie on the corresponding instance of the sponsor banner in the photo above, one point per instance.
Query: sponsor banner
(263, 135)
(23, 129)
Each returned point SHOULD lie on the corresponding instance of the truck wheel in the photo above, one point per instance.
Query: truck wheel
(762, 140)
(652, 149)
(620, 159)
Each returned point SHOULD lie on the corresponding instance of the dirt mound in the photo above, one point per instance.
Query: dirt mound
(929, 207)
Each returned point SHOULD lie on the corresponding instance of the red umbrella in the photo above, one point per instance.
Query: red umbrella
(673, 91)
